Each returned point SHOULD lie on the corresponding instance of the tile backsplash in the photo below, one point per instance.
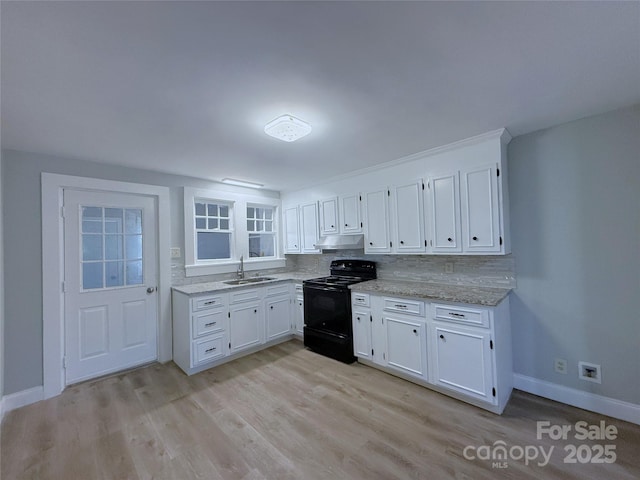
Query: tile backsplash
(476, 270)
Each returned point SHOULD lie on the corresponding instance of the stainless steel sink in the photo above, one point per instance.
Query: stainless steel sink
(244, 281)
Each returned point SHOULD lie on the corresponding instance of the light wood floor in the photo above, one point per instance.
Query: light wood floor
(283, 413)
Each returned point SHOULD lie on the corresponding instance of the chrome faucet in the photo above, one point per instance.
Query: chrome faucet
(240, 271)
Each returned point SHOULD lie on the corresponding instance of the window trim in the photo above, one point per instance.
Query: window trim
(239, 235)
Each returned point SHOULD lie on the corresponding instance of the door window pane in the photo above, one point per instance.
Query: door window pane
(134, 247)
(104, 252)
(114, 274)
(134, 273)
(113, 247)
(91, 247)
(92, 275)
(133, 220)
(113, 220)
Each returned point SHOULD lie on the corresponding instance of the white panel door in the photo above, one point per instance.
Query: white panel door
(244, 326)
(309, 222)
(376, 222)
(362, 334)
(445, 204)
(350, 214)
(278, 316)
(408, 218)
(110, 282)
(329, 216)
(291, 231)
(406, 345)
(463, 361)
(480, 210)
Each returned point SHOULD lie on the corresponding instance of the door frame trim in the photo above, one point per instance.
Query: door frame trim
(53, 268)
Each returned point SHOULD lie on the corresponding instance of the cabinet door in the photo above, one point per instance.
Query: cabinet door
(376, 222)
(309, 222)
(445, 215)
(244, 326)
(463, 361)
(350, 221)
(406, 345)
(299, 315)
(278, 316)
(408, 218)
(291, 230)
(481, 210)
(362, 334)
(329, 216)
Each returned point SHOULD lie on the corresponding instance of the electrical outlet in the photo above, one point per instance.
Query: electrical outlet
(590, 372)
(560, 365)
(175, 252)
(448, 267)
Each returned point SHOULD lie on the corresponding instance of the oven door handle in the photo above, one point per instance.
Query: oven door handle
(324, 288)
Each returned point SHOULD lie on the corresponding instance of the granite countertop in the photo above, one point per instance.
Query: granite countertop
(487, 296)
(208, 287)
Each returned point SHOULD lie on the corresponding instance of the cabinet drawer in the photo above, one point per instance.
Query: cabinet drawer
(245, 295)
(360, 299)
(207, 322)
(210, 301)
(409, 307)
(478, 317)
(208, 349)
(281, 289)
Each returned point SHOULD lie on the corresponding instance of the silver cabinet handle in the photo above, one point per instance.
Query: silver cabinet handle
(209, 350)
(210, 302)
(400, 306)
(211, 324)
(459, 315)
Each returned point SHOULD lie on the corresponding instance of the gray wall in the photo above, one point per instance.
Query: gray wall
(575, 227)
(23, 247)
(1, 294)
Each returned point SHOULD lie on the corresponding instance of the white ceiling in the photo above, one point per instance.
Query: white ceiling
(186, 88)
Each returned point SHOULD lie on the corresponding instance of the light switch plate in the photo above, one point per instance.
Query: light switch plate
(175, 252)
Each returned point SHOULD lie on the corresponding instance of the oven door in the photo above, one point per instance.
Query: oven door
(328, 309)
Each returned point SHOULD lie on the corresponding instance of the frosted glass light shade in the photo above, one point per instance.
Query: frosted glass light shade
(287, 128)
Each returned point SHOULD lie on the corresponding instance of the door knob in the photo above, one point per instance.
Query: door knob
(151, 289)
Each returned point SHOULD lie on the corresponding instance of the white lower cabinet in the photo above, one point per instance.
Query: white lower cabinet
(278, 316)
(462, 360)
(298, 312)
(245, 322)
(458, 349)
(406, 341)
(212, 328)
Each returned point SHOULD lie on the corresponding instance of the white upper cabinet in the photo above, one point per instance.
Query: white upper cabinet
(350, 222)
(309, 224)
(444, 193)
(407, 218)
(376, 221)
(462, 209)
(480, 210)
(291, 230)
(329, 216)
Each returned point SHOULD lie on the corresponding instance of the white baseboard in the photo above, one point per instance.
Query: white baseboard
(626, 411)
(20, 399)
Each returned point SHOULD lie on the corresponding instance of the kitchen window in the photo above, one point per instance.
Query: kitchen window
(260, 228)
(221, 226)
(213, 230)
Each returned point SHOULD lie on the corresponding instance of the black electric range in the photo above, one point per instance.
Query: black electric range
(327, 308)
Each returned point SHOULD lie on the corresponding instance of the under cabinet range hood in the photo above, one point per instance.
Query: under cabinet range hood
(341, 242)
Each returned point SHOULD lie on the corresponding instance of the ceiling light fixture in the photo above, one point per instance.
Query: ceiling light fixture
(287, 128)
(242, 183)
